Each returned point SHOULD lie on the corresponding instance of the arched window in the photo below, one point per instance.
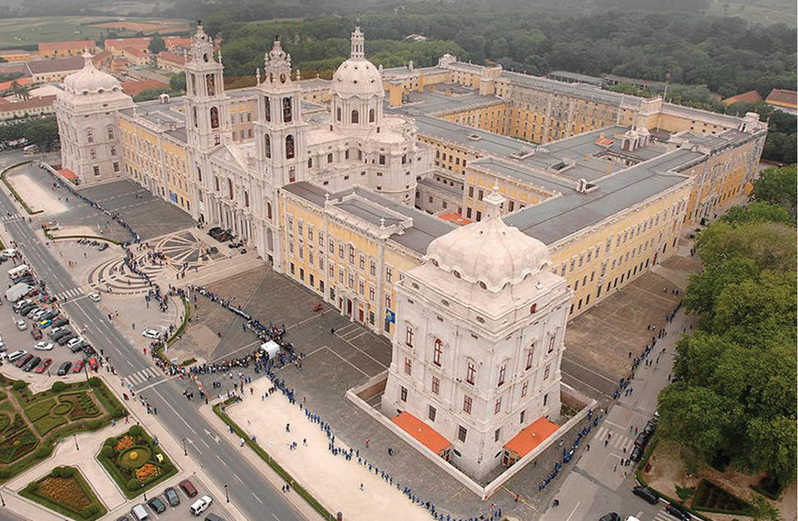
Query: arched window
(437, 355)
(310, 162)
(194, 113)
(267, 109)
(268, 210)
(193, 84)
(246, 198)
(286, 110)
(355, 116)
(267, 145)
(338, 113)
(210, 84)
(214, 117)
(289, 146)
(371, 116)
(471, 371)
(230, 188)
(90, 135)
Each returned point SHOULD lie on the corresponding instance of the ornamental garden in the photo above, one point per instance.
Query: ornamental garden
(135, 461)
(66, 491)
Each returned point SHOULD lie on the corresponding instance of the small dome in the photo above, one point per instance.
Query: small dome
(90, 80)
(489, 253)
(357, 77)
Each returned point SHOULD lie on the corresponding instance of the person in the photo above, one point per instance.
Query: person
(242, 442)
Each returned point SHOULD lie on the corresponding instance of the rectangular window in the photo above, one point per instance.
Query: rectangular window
(437, 354)
(523, 417)
(530, 353)
(409, 336)
(467, 404)
(498, 407)
(436, 385)
(461, 433)
(409, 366)
(496, 435)
(388, 274)
(403, 394)
(545, 372)
(551, 343)
(524, 388)
(431, 413)
(471, 372)
(502, 373)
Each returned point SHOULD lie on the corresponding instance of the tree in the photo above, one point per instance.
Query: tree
(764, 510)
(177, 82)
(156, 45)
(756, 211)
(771, 245)
(778, 186)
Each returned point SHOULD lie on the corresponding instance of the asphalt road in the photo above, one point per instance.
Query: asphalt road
(248, 489)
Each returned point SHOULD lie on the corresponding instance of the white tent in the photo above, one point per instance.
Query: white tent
(270, 348)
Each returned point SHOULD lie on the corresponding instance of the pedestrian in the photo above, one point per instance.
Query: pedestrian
(287, 427)
(367, 444)
(606, 442)
(588, 447)
(361, 487)
(242, 442)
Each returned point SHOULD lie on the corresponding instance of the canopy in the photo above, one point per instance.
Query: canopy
(271, 348)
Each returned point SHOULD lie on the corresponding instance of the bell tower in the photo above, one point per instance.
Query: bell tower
(207, 108)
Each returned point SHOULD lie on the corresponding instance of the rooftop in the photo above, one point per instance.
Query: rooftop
(576, 77)
(432, 102)
(531, 436)
(71, 63)
(782, 97)
(586, 92)
(66, 45)
(422, 432)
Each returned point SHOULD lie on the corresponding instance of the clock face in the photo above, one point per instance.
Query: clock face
(282, 78)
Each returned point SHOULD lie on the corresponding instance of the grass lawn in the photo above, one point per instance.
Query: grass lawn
(135, 461)
(66, 491)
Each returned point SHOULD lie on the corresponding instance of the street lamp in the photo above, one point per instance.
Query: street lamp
(185, 450)
(226, 495)
(145, 497)
(2, 500)
(75, 436)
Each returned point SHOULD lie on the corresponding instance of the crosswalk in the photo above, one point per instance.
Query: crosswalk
(618, 441)
(140, 377)
(663, 516)
(11, 218)
(70, 294)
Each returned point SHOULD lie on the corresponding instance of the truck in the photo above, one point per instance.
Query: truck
(17, 272)
(17, 291)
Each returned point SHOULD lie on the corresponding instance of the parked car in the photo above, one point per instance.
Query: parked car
(637, 453)
(156, 505)
(74, 341)
(188, 488)
(171, 496)
(103, 246)
(651, 426)
(32, 363)
(94, 297)
(77, 366)
(76, 347)
(24, 359)
(200, 505)
(646, 494)
(88, 350)
(24, 310)
(63, 369)
(66, 338)
(36, 333)
(16, 355)
(60, 322)
(213, 517)
(151, 333)
(44, 323)
(50, 315)
(21, 304)
(612, 516)
(93, 363)
(678, 512)
(43, 346)
(47, 362)
(139, 513)
(641, 440)
(62, 333)
(21, 325)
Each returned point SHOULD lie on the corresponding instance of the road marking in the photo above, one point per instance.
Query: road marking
(220, 459)
(256, 498)
(275, 516)
(176, 413)
(317, 315)
(238, 478)
(573, 511)
(205, 443)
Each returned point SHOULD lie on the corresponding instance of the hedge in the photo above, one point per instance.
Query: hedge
(95, 237)
(131, 487)
(18, 197)
(273, 464)
(94, 511)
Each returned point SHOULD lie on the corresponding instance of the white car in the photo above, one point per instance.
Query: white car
(94, 297)
(38, 314)
(8, 253)
(22, 325)
(151, 333)
(43, 346)
(74, 341)
(200, 505)
(16, 354)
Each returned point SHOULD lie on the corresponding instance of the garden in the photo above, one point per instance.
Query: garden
(66, 491)
(135, 461)
(31, 424)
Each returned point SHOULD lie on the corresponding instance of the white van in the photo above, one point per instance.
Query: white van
(139, 513)
(20, 270)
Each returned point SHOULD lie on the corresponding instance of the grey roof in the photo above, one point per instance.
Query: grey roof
(72, 63)
(701, 115)
(162, 114)
(571, 89)
(179, 134)
(314, 83)
(425, 228)
(528, 176)
(575, 76)
(727, 138)
(426, 181)
(472, 67)
(559, 217)
(432, 102)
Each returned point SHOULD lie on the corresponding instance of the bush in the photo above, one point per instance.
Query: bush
(107, 452)
(136, 430)
(133, 484)
(42, 452)
(95, 382)
(19, 385)
(59, 387)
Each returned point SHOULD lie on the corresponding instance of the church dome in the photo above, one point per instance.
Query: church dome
(90, 80)
(489, 253)
(357, 76)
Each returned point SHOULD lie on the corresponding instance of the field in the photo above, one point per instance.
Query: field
(16, 32)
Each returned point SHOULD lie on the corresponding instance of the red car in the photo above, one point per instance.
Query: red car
(24, 359)
(78, 367)
(188, 488)
(42, 367)
(36, 333)
(93, 363)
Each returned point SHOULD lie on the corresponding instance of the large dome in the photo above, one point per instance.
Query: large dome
(90, 80)
(489, 253)
(357, 76)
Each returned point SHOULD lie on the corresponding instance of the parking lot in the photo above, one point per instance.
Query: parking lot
(178, 512)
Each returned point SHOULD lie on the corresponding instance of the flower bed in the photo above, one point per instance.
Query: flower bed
(135, 461)
(711, 498)
(67, 492)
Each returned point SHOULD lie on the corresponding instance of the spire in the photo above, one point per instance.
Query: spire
(357, 44)
(493, 204)
(87, 63)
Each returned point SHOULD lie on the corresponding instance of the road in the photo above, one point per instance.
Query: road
(248, 489)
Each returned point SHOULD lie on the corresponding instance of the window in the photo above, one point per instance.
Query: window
(403, 394)
(113, 151)
(382, 159)
(408, 366)
(530, 353)
(551, 343)
(267, 146)
(268, 210)
(246, 198)
(289, 146)
(362, 262)
(210, 84)
(93, 153)
(371, 115)
(523, 416)
(461, 433)
(467, 404)
(471, 372)
(373, 268)
(436, 385)
(267, 109)
(90, 135)
(96, 170)
(498, 407)
(355, 117)
(116, 166)
(431, 412)
(388, 274)
(545, 399)
(199, 174)
(546, 372)
(437, 355)
(502, 373)
(230, 188)
(214, 117)
(409, 336)
(329, 158)
(496, 435)
(524, 388)
(338, 113)
(110, 131)
(286, 110)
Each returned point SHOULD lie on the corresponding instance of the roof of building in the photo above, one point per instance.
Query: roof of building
(31, 103)
(135, 51)
(172, 57)
(751, 96)
(19, 81)
(422, 432)
(455, 218)
(173, 42)
(432, 102)
(142, 42)
(89, 79)
(782, 97)
(576, 77)
(587, 92)
(68, 174)
(70, 63)
(531, 436)
(66, 45)
(135, 87)
(314, 83)
(559, 217)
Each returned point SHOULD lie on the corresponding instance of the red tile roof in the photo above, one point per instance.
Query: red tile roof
(172, 57)
(531, 436)
(135, 51)
(20, 81)
(68, 174)
(71, 63)
(134, 87)
(173, 42)
(782, 97)
(422, 432)
(751, 96)
(122, 43)
(455, 218)
(73, 44)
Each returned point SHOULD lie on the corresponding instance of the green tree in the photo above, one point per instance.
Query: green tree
(764, 510)
(756, 211)
(156, 45)
(778, 186)
(770, 245)
(177, 82)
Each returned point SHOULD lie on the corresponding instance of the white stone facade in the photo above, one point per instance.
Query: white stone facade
(480, 338)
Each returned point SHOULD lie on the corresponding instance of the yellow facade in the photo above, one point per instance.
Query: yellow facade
(479, 183)
(490, 118)
(243, 114)
(449, 156)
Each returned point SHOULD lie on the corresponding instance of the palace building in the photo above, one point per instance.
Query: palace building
(464, 211)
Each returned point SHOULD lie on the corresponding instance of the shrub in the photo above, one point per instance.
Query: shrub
(133, 484)
(95, 382)
(59, 387)
(107, 452)
(136, 430)
(19, 385)
(42, 452)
